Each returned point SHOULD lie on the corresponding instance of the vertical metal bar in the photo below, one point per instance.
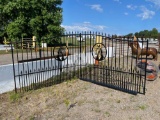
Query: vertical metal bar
(44, 63)
(115, 48)
(35, 77)
(13, 67)
(144, 87)
(51, 66)
(128, 65)
(67, 66)
(27, 71)
(134, 79)
(90, 50)
(36, 69)
(26, 85)
(32, 69)
(18, 67)
(55, 69)
(22, 79)
(123, 53)
(40, 57)
(80, 56)
(47, 68)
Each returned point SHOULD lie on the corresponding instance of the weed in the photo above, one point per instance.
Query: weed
(15, 97)
(142, 107)
(67, 102)
(107, 113)
(96, 110)
(132, 99)
(82, 101)
(138, 118)
(118, 101)
(31, 118)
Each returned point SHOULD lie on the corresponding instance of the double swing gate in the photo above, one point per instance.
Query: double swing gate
(97, 58)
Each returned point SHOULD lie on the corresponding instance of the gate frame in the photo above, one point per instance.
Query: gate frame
(81, 66)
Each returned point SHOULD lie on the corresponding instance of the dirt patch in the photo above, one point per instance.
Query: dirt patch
(79, 100)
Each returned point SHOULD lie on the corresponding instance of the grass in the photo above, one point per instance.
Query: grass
(67, 102)
(15, 97)
(53, 102)
(118, 101)
(97, 110)
(107, 114)
(142, 107)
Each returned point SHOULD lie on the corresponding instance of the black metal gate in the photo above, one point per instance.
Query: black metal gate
(101, 59)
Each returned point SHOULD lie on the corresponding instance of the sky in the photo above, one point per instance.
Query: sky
(119, 17)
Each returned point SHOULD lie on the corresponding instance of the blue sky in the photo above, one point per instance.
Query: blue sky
(111, 16)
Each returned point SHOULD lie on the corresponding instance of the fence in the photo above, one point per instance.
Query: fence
(91, 57)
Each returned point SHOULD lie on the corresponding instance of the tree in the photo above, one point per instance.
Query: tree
(136, 34)
(129, 35)
(3, 19)
(147, 34)
(141, 34)
(41, 18)
(154, 33)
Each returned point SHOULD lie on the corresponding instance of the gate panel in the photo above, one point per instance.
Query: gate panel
(41, 66)
(92, 57)
(109, 62)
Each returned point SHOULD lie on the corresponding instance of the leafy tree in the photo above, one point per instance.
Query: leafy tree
(147, 34)
(159, 37)
(154, 33)
(136, 34)
(129, 35)
(41, 18)
(141, 34)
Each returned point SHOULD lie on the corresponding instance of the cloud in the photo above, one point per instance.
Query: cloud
(125, 13)
(85, 26)
(156, 2)
(132, 7)
(117, 1)
(86, 22)
(96, 7)
(76, 28)
(146, 14)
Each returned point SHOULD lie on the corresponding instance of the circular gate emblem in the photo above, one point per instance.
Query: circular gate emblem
(61, 53)
(99, 51)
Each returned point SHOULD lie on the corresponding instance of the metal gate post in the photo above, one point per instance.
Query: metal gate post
(144, 88)
(80, 56)
(13, 67)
